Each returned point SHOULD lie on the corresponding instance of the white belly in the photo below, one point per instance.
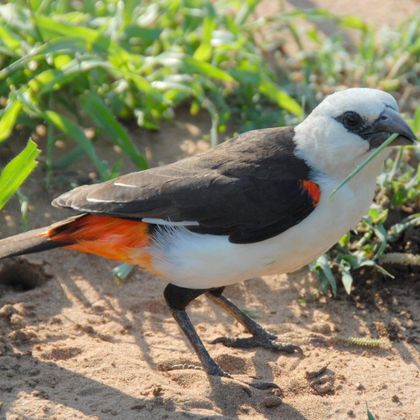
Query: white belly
(200, 261)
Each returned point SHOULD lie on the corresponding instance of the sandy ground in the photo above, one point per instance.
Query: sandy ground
(76, 344)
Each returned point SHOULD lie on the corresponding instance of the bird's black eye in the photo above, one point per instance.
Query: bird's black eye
(352, 120)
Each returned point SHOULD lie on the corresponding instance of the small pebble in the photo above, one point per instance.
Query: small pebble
(23, 308)
(55, 320)
(360, 387)
(322, 389)
(322, 328)
(39, 393)
(277, 392)
(137, 406)
(157, 390)
(350, 413)
(17, 321)
(6, 310)
(271, 401)
(98, 308)
(313, 373)
(395, 399)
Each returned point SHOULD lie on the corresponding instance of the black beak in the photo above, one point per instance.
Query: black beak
(389, 122)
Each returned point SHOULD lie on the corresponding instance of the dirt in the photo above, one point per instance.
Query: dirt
(74, 343)
(79, 345)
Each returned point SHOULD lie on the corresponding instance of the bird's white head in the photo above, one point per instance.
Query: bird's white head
(346, 125)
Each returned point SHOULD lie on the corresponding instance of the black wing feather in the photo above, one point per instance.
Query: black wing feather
(249, 188)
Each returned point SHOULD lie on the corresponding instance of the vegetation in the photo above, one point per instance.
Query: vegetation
(71, 65)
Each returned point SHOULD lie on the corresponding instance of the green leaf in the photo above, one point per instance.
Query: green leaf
(283, 100)
(93, 105)
(346, 276)
(378, 216)
(52, 28)
(322, 268)
(146, 35)
(416, 122)
(10, 40)
(50, 80)
(16, 171)
(345, 239)
(203, 52)
(62, 45)
(8, 119)
(246, 10)
(73, 131)
(395, 231)
(354, 22)
(206, 69)
(381, 234)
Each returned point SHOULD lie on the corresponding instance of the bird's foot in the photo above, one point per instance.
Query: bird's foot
(265, 340)
(262, 385)
(247, 386)
(217, 371)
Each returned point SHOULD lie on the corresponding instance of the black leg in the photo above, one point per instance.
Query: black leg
(177, 299)
(260, 337)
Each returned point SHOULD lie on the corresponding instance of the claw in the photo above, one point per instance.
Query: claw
(263, 385)
(264, 342)
(248, 386)
(287, 348)
(222, 340)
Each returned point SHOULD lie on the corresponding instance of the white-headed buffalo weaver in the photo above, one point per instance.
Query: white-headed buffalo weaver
(255, 205)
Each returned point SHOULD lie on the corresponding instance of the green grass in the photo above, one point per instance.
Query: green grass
(14, 174)
(72, 65)
(125, 61)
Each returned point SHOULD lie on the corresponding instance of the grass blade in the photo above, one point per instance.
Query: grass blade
(346, 277)
(370, 416)
(63, 45)
(283, 100)
(73, 131)
(51, 28)
(322, 267)
(358, 168)
(93, 105)
(204, 51)
(16, 171)
(192, 66)
(11, 41)
(8, 119)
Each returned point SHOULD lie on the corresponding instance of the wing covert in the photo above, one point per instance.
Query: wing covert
(250, 188)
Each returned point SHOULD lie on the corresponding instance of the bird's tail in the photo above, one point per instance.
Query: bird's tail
(110, 237)
(36, 240)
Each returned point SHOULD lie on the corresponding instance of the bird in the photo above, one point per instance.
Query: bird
(257, 204)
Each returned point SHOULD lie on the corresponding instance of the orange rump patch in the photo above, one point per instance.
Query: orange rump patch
(109, 237)
(312, 188)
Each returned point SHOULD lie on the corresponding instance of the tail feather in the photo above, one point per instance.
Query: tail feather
(107, 236)
(36, 240)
